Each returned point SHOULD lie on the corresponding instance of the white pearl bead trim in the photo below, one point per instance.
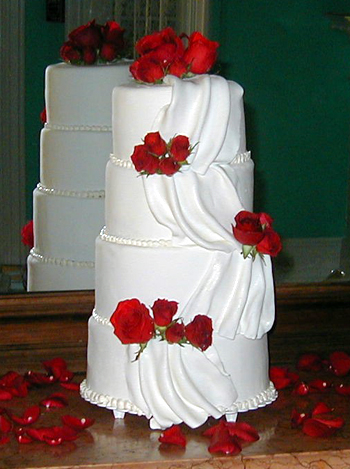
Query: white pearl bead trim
(146, 243)
(103, 400)
(100, 319)
(122, 405)
(62, 262)
(121, 163)
(66, 193)
(79, 128)
(241, 158)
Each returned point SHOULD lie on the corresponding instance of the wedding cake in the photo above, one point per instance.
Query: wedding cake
(74, 147)
(182, 311)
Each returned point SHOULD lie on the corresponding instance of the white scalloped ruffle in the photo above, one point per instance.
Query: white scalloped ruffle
(147, 243)
(66, 193)
(62, 262)
(262, 399)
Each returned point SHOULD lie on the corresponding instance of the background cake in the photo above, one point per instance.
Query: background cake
(170, 237)
(74, 147)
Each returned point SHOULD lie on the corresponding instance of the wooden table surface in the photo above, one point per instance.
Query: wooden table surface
(316, 320)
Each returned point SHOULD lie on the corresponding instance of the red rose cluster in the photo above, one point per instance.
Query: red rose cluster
(155, 156)
(254, 231)
(93, 43)
(164, 52)
(133, 324)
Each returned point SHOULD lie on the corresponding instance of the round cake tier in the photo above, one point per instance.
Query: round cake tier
(81, 95)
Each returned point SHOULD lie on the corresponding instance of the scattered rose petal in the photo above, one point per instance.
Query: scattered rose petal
(319, 385)
(76, 423)
(243, 431)
(71, 386)
(4, 439)
(58, 368)
(342, 389)
(173, 436)
(315, 429)
(223, 442)
(24, 439)
(56, 400)
(5, 395)
(301, 389)
(309, 362)
(340, 363)
(336, 422)
(29, 416)
(53, 436)
(5, 424)
(39, 379)
(282, 377)
(321, 408)
(297, 418)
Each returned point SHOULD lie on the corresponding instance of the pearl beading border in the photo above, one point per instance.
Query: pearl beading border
(240, 158)
(100, 319)
(62, 262)
(262, 399)
(79, 128)
(67, 193)
(146, 243)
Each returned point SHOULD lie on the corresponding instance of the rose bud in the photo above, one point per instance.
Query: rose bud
(175, 333)
(27, 234)
(168, 166)
(88, 35)
(164, 311)
(70, 53)
(248, 229)
(201, 53)
(180, 148)
(155, 144)
(89, 55)
(270, 244)
(113, 33)
(109, 52)
(147, 70)
(199, 332)
(178, 67)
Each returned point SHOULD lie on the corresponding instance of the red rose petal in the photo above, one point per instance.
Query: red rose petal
(297, 418)
(211, 430)
(321, 408)
(173, 436)
(342, 389)
(53, 436)
(243, 431)
(223, 442)
(5, 424)
(282, 377)
(71, 386)
(39, 379)
(340, 363)
(56, 400)
(319, 385)
(310, 362)
(29, 416)
(4, 440)
(301, 389)
(24, 439)
(76, 423)
(315, 429)
(336, 422)
(5, 395)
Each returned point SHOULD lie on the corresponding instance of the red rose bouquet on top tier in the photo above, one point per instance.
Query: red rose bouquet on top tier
(133, 324)
(254, 231)
(164, 52)
(94, 43)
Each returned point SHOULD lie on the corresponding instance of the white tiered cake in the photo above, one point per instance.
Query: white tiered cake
(171, 237)
(69, 200)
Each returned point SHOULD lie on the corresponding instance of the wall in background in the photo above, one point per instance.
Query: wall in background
(295, 70)
(43, 40)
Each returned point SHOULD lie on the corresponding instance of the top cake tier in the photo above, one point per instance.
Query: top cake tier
(81, 95)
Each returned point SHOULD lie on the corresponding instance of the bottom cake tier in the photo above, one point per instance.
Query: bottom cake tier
(114, 379)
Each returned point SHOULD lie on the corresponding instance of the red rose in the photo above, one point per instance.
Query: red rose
(27, 234)
(43, 116)
(109, 52)
(164, 311)
(70, 53)
(270, 244)
(156, 42)
(199, 332)
(175, 333)
(180, 148)
(88, 35)
(132, 322)
(144, 161)
(265, 219)
(178, 67)
(155, 144)
(89, 55)
(201, 53)
(147, 69)
(248, 229)
(113, 33)
(168, 166)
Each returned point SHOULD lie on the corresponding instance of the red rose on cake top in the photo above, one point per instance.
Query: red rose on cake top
(164, 52)
(94, 43)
